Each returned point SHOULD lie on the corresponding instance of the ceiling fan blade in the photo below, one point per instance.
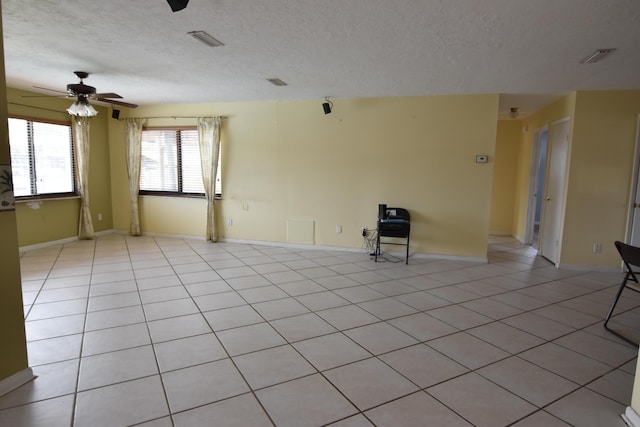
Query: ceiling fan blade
(107, 95)
(111, 101)
(45, 96)
(52, 90)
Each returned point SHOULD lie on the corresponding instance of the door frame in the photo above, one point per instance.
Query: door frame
(533, 183)
(565, 184)
(634, 184)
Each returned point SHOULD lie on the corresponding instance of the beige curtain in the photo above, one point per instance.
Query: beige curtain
(80, 126)
(133, 142)
(209, 141)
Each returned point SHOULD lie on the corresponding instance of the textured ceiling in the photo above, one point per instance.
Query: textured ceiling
(529, 51)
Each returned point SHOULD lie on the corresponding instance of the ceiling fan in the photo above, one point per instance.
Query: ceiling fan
(85, 93)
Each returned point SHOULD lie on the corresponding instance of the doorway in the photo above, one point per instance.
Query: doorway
(536, 188)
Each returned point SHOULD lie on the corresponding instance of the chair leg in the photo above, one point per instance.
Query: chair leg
(613, 306)
(615, 301)
(406, 258)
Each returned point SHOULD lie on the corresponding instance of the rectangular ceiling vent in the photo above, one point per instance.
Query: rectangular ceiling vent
(596, 56)
(205, 38)
(276, 82)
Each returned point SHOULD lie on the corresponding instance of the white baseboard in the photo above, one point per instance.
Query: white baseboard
(397, 254)
(631, 417)
(291, 245)
(519, 239)
(60, 241)
(500, 234)
(576, 267)
(16, 380)
(173, 236)
(164, 235)
(47, 244)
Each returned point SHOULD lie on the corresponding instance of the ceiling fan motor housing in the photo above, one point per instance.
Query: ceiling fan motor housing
(81, 88)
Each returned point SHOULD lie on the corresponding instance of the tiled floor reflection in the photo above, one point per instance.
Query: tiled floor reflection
(170, 332)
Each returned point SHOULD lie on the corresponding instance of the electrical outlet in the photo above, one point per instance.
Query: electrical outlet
(597, 248)
(363, 231)
(229, 222)
(99, 217)
(338, 229)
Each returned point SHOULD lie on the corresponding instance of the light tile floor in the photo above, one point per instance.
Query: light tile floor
(169, 332)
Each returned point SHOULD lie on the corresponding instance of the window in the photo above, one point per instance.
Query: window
(170, 163)
(41, 158)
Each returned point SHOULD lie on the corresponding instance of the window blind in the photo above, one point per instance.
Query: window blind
(170, 162)
(41, 158)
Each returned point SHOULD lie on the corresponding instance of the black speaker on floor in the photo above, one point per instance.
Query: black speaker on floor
(177, 5)
(382, 211)
(115, 114)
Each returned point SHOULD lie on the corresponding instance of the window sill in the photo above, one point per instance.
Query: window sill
(176, 196)
(40, 199)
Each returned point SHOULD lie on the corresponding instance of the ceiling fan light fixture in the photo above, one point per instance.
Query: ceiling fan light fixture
(597, 56)
(82, 108)
(205, 38)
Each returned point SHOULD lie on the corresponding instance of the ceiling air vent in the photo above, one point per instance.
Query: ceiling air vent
(276, 82)
(205, 38)
(596, 56)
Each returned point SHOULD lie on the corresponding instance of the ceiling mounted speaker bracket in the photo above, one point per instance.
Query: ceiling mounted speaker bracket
(177, 5)
(327, 106)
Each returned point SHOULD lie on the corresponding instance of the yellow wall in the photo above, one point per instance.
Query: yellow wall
(505, 169)
(52, 220)
(13, 356)
(287, 160)
(560, 109)
(167, 215)
(601, 159)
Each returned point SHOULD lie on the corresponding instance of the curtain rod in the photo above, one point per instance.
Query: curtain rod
(156, 117)
(37, 108)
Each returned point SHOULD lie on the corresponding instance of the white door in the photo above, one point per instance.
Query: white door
(553, 202)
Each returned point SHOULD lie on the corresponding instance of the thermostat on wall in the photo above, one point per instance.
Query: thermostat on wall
(482, 158)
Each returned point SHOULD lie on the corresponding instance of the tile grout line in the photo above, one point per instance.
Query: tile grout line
(74, 412)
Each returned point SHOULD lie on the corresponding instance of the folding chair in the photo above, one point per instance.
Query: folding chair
(393, 222)
(630, 257)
